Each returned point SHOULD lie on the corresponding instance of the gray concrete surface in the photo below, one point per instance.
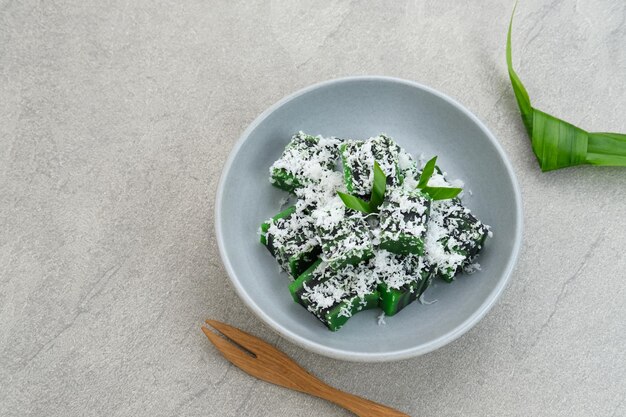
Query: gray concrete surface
(115, 121)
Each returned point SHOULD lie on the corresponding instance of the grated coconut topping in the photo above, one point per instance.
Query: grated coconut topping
(320, 223)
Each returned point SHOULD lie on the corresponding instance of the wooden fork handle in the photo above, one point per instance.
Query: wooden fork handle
(358, 405)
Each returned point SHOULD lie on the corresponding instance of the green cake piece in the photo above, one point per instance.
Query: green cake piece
(400, 288)
(335, 296)
(357, 158)
(454, 238)
(403, 221)
(290, 238)
(310, 277)
(344, 235)
(305, 160)
(265, 226)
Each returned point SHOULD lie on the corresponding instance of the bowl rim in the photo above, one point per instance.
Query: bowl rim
(343, 354)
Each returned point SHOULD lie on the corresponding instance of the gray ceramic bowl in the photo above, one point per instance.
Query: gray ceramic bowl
(421, 120)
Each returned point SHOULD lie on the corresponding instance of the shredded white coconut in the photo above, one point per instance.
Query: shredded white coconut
(404, 213)
(358, 159)
(424, 302)
(283, 202)
(471, 268)
(354, 266)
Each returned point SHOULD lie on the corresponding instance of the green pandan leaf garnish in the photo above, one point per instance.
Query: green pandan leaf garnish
(376, 198)
(436, 193)
(557, 143)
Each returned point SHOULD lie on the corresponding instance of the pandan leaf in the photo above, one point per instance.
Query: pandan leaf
(606, 149)
(355, 203)
(436, 193)
(442, 193)
(376, 198)
(379, 187)
(557, 143)
(427, 172)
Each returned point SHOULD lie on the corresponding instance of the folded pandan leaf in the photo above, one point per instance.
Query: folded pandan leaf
(435, 193)
(376, 198)
(557, 143)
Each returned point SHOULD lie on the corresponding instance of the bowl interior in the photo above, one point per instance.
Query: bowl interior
(422, 121)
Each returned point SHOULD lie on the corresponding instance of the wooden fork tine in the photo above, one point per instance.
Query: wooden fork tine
(253, 344)
(272, 365)
(230, 351)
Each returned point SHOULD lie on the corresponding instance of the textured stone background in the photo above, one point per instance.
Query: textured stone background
(116, 118)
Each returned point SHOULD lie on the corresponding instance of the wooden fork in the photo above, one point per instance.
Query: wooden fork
(263, 361)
